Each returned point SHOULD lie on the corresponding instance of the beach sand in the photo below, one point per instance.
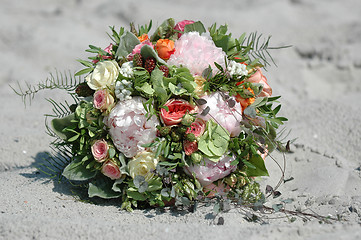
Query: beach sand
(318, 78)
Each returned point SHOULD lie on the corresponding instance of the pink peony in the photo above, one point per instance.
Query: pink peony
(190, 147)
(103, 100)
(180, 26)
(208, 171)
(196, 53)
(129, 127)
(137, 48)
(197, 127)
(177, 109)
(258, 77)
(100, 150)
(229, 118)
(111, 170)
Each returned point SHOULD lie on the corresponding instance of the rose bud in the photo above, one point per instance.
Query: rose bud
(196, 157)
(164, 131)
(175, 136)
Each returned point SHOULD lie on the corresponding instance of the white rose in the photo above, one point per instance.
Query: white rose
(104, 75)
(142, 164)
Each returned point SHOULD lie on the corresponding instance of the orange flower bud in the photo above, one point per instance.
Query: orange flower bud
(143, 38)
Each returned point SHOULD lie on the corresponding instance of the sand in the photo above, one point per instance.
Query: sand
(318, 78)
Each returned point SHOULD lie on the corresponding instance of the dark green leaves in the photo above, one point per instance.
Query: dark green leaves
(76, 171)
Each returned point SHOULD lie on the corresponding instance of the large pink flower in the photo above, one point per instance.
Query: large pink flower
(208, 171)
(177, 109)
(196, 53)
(180, 26)
(129, 127)
(228, 117)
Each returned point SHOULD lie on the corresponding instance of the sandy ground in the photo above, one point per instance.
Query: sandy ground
(319, 79)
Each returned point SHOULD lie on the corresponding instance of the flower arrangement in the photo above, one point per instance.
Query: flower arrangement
(178, 116)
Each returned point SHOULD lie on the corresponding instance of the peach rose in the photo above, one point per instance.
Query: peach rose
(258, 77)
(111, 170)
(245, 102)
(99, 150)
(165, 48)
(177, 109)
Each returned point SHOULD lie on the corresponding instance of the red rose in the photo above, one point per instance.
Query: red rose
(177, 108)
(197, 127)
(190, 147)
(111, 170)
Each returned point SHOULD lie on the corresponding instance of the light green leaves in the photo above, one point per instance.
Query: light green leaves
(214, 141)
(195, 27)
(76, 171)
(127, 42)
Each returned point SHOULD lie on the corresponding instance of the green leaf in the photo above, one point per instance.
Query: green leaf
(146, 88)
(59, 124)
(78, 172)
(117, 184)
(127, 42)
(147, 51)
(195, 27)
(258, 162)
(176, 90)
(83, 71)
(102, 188)
(136, 195)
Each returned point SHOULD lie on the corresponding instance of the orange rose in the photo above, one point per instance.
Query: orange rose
(165, 48)
(143, 38)
(245, 102)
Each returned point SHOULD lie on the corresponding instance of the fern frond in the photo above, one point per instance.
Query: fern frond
(63, 81)
(53, 166)
(60, 110)
(257, 47)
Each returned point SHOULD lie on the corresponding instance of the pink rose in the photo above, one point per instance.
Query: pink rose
(197, 127)
(258, 77)
(108, 50)
(190, 147)
(177, 109)
(137, 48)
(103, 100)
(100, 150)
(111, 170)
(180, 26)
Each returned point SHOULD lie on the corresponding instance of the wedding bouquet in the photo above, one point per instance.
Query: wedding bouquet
(178, 116)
